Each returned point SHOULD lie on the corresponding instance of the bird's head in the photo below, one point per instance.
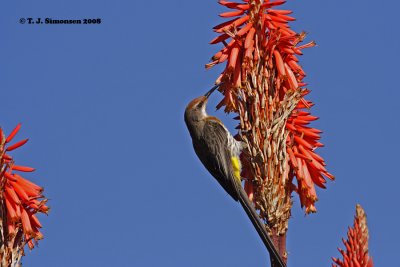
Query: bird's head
(196, 109)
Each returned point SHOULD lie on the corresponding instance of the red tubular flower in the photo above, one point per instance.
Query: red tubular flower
(263, 83)
(22, 198)
(356, 246)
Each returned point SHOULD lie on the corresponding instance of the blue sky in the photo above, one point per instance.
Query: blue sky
(103, 108)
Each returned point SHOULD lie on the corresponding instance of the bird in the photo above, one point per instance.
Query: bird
(220, 153)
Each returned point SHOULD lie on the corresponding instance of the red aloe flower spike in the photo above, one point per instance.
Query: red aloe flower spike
(21, 200)
(262, 67)
(357, 252)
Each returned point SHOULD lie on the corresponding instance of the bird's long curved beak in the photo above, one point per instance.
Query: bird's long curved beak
(212, 90)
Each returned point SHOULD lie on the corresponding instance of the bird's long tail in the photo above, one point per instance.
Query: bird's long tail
(253, 215)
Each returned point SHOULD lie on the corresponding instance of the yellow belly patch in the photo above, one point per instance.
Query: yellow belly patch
(236, 168)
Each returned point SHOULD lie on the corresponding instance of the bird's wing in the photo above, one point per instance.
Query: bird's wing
(215, 155)
(214, 152)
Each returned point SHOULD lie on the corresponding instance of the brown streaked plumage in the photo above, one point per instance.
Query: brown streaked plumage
(210, 141)
(218, 150)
